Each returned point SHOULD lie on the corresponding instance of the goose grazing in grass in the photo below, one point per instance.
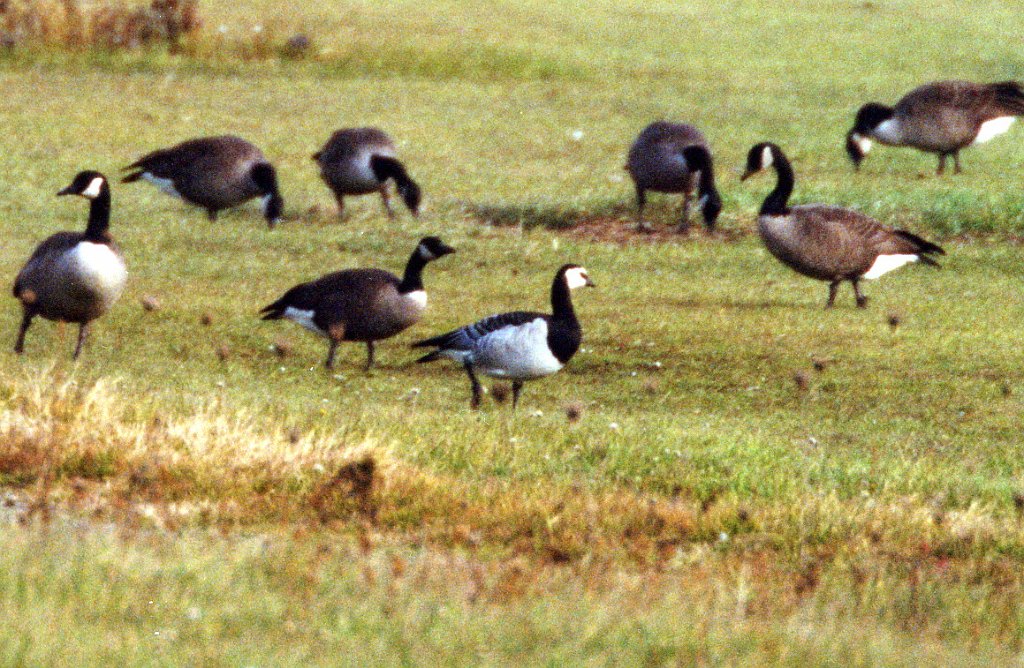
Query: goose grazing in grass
(941, 117)
(214, 173)
(360, 304)
(74, 276)
(357, 161)
(674, 158)
(518, 346)
(826, 242)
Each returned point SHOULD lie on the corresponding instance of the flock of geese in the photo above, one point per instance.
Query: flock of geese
(77, 276)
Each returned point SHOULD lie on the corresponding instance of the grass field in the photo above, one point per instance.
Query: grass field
(726, 473)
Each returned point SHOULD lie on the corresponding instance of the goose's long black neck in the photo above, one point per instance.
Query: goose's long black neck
(561, 301)
(385, 167)
(699, 160)
(99, 217)
(413, 278)
(776, 202)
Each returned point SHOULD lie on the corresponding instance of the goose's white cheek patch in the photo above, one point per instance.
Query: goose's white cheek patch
(576, 277)
(766, 158)
(93, 191)
(863, 143)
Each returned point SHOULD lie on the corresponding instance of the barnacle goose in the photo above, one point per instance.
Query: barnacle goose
(520, 345)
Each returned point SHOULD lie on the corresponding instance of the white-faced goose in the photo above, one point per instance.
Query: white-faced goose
(674, 158)
(74, 276)
(941, 117)
(360, 304)
(520, 345)
(825, 242)
(357, 161)
(214, 173)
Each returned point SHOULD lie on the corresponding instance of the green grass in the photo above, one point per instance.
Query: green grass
(719, 498)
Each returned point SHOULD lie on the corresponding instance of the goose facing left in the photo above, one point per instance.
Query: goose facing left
(829, 243)
(519, 345)
(360, 304)
(74, 276)
(212, 172)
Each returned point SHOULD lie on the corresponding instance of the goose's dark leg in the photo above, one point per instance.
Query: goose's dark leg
(474, 384)
(329, 362)
(684, 225)
(517, 387)
(384, 195)
(942, 164)
(83, 331)
(340, 199)
(26, 320)
(833, 288)
(641, 202)
(369, 355)
(862, 301)
(956, 162)
(211, 214)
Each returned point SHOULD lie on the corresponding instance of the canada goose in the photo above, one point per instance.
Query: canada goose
(520, 345)
(825, 242)
(73, 276)
(214, 173)
(941, 117)
(360, 304)
(674, 158)
(357, 161)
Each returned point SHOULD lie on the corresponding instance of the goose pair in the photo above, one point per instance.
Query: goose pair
(829, 243)
(674, 158)
(942, 117)
(217, 173)
(73, 276)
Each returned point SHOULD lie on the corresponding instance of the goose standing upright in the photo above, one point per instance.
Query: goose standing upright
(74, 276)
(360, 304)
(941, 117)
(674, 158)
(520, 345)
(357, 161)
(214, 173)
(829, 243)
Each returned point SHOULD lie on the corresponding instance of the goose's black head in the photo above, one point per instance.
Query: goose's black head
(431, 248)
(761, 156)
(698, 159)
(88, 184)
(411, 195)
(858, 141)
(575, 276)
(265, 178)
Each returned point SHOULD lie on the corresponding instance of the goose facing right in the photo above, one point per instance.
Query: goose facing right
(829, 243)
(358, 161)
(214, 173)
(519, 345)
(940, 117)
(360, 304)
(74, 276)
(674, 158)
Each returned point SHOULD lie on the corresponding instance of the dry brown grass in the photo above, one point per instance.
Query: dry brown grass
(74, 24)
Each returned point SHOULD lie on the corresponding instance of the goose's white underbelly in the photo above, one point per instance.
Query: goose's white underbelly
(517, 353)
(993, 128)
(97, 268)
(885, 263)
(304, 318)
(165, 185)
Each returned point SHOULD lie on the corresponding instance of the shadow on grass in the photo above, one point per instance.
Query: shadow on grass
(530, 216)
